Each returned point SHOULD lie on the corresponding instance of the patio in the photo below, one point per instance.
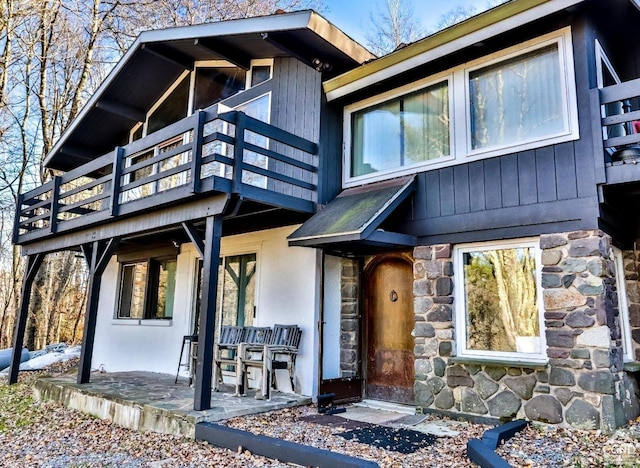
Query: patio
(153, 402)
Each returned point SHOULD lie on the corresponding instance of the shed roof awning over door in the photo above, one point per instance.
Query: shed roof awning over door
(355, 216)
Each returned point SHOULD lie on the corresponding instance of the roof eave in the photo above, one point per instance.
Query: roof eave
(476, 29)
(307, 19)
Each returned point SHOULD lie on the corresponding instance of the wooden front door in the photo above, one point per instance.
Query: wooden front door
(389, 323)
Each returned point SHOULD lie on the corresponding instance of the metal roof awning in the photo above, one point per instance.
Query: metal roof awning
(355, 216)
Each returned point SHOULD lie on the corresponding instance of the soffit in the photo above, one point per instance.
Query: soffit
(157, 59)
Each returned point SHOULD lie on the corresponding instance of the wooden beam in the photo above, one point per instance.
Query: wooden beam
(225, 51)
(620, 92)
(30, 271)
(97, 256)
(78, 152)
(286, 48)
(206, 326)
(195, 238)
(121, 110)
(168, 54)
(144, 223)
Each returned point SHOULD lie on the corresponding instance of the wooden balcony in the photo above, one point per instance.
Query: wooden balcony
(208, 153)
(620, 106)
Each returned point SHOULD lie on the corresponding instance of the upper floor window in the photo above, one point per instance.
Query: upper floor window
(173, 108)
(606, 75)
(401, 132)
(209, 83)
(216, 83)
(260, 72)
(516, 99)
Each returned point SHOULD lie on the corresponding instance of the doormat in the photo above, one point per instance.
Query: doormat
(389, 438)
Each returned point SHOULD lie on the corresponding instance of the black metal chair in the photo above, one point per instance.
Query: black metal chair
(190, 342)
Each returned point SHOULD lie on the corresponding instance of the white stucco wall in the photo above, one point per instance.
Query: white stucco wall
(286, 292)
(150, 345)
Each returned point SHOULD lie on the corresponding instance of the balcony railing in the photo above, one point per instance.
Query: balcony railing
(209, 151)
(617, 102)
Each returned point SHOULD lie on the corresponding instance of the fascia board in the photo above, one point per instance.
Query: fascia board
(477, 29)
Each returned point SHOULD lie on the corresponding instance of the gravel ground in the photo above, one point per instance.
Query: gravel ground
(37, 434)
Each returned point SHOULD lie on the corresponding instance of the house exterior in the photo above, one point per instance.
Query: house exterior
(452, 225)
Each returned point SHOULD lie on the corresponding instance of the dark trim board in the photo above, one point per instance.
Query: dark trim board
(622, 173)
(500, 233)
(133, 225)
(277, 449)
(503, 223)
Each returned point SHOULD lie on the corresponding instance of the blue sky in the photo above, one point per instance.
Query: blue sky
(352, 16)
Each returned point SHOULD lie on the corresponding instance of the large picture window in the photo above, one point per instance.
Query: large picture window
(402, 132)
(147, 289)
(516, 99)
(498, 301)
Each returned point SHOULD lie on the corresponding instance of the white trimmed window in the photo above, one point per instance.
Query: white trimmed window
(516, 99)
(623, 306)
(147, 289)
(498, 301)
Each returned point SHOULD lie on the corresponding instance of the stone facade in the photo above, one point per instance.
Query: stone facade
(349, 321)
(582, 385)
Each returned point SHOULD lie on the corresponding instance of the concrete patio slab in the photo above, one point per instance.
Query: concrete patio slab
(153, 402)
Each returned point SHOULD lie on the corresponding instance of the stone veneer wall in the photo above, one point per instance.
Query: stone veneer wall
(349, 322)
(583, 384)
(631, 262)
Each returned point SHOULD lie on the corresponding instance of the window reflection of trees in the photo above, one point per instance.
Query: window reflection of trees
(501, 298)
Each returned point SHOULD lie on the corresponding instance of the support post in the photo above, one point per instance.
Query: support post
(195, 238)
(204, 366)
(97, 256)
(196, 155)
(30, 270)
(238, 153)
(54, 208)
(116, 182)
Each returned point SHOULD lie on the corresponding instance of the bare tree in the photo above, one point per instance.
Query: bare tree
(462, 12)
(53, 55)
(392, 25)
(455, 15)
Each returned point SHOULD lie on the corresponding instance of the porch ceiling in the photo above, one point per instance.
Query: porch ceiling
(354, 217)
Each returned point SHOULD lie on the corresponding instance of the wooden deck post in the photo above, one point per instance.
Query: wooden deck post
(97, 256)
(204, 366)
(30, 270)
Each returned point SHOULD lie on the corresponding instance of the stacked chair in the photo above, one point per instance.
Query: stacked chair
(242, 348)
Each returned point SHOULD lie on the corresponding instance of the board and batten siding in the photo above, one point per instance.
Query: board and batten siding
(544, 190)
(295, 107)
(548, 189)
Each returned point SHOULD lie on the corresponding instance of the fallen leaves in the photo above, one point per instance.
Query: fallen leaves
(45, 434)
